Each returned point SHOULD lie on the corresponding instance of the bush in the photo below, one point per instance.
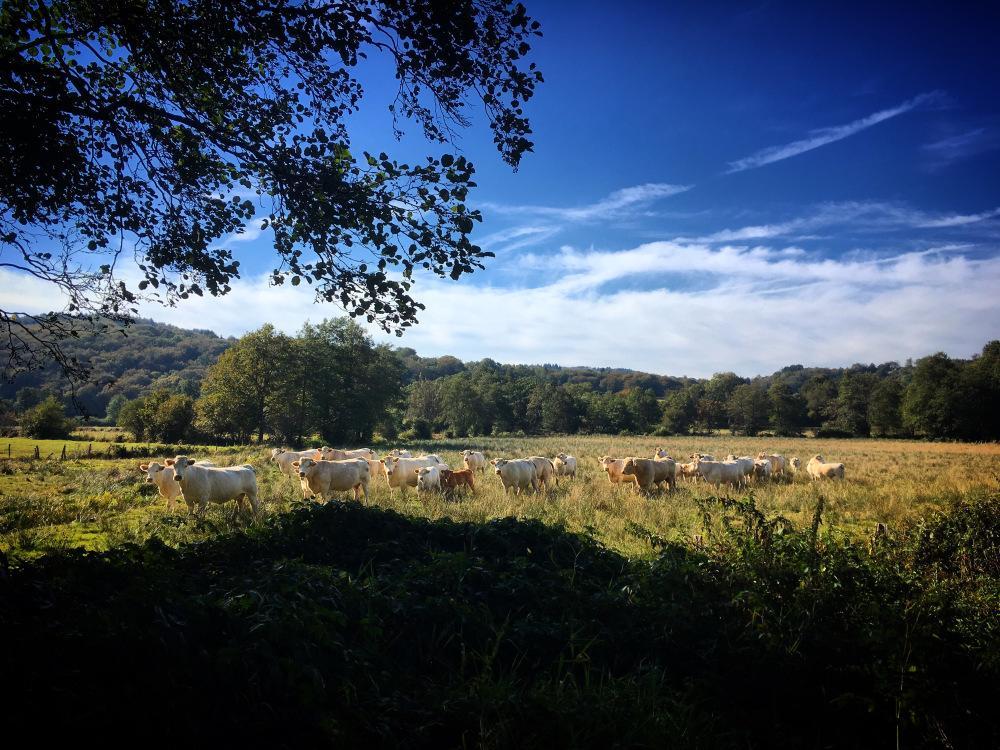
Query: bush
(420, 429)
(46, 421)
(356, 626)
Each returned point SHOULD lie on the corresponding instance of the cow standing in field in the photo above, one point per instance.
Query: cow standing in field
(545, 470)
(565, 465)
(614, 467)
(818, 468)
(777, 463)
(761, 469)
(688, 471)
(202, 485)
(428, 479)
(720, 472)
(338, 454)
(474, 460)
(286, 459)
(402, 472)
(323, 478)
(162, 476)
(649, 473)
(745, 463)
(518, 474)
(452, 480)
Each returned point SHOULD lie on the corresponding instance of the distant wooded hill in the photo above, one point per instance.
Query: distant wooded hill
(147, 357)
(935, 397)
(150, 356)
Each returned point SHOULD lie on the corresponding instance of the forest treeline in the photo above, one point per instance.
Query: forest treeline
(332, 383)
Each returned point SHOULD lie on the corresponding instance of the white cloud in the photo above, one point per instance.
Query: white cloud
(251, 231)
(753, 310)
(824, 136)
(864, 216)
(515, 238)
(614, 205)
(762, 310)
(945, 151)
(958, 220)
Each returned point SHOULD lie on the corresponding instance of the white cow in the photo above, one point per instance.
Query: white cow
(720, 472)
(545, 470)
(820, 469)
(746, 465)
(688, 470)
(202, 485)
(397, 453)
(324, 478)
(777, 463)
(474, 460)
(285, 459)
(518, 474)
(702, 456)
(429, 479)
(402, 472)
(650, 473)
(762, 468)
(339, 454)
(163, 477)
(565, 465)
(794, 465)
(661, 453)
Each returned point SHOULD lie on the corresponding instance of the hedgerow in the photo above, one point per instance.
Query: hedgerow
(363, 627)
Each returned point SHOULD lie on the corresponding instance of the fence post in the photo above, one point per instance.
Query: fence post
(63, 456)
(89, 446)
(37, 455)
(8, 450)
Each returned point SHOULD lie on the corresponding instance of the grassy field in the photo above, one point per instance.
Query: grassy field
(596, 620)
(100, 503)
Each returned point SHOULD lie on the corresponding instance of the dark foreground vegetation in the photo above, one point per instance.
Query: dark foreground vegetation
(367, 628)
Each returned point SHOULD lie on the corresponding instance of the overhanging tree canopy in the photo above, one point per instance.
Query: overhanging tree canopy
(144, 128)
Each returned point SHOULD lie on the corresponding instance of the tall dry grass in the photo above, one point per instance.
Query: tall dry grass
(98, 504)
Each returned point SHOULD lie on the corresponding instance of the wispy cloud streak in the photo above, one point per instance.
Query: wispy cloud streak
(857, 216)
(824, 136)
(615, 205)
(946, 151)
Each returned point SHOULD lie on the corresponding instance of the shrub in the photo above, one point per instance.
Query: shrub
(368, 628)
(47, 420)
(420, 429)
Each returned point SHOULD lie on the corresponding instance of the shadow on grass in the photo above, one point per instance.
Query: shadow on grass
(363, 627)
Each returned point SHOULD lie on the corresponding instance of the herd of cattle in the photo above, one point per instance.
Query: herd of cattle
(323, 472)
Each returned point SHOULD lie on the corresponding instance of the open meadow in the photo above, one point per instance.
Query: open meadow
(587, 616)
(100, 503)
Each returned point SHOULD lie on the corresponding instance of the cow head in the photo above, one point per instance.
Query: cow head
(629, 466)
(303, 465)
(498, 464)
(180, 463)
(150, 471)
(817, 459)
(276, 452)
(389, 463)
(427, 476)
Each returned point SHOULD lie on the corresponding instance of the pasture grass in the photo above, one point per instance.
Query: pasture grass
(97, 504)
(587, 616)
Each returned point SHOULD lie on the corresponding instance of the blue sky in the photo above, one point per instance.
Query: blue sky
(716, 187)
